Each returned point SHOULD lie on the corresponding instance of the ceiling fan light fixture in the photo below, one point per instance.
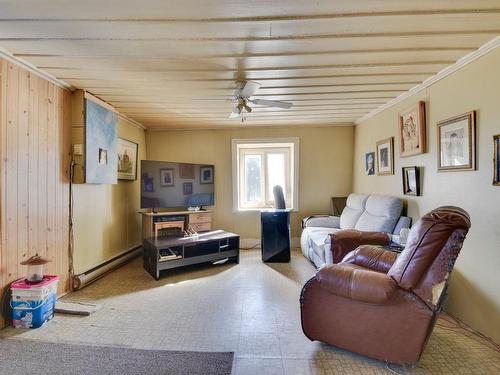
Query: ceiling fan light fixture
(247, 108)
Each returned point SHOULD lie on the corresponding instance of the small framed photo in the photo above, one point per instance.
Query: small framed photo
(412, 132)
(496, 160)
(103, 156)
(127, 159)
(187, 188)
(370, 163)
(411, 181)
(147, 183)
(167, 177)
(385, 156)
(186, 171)
(457, 143)
(207, 174)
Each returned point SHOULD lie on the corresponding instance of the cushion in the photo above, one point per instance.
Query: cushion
(317, 240)
(354, 208)
(381, 214)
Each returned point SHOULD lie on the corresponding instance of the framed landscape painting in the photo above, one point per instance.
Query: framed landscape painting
(496, 160)
(127, 159)
(457, 143)
(412, 132)
(385, 156)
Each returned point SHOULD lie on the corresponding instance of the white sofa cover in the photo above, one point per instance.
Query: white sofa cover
(372, 213)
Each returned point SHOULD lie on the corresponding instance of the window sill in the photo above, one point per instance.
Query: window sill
(244, 210)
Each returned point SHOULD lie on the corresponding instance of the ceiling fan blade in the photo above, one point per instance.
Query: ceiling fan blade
(272, 103)
(249, 89)
(235, 113)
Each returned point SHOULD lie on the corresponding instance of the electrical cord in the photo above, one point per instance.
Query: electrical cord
(456, 325)
(71, 238)
(251, 247)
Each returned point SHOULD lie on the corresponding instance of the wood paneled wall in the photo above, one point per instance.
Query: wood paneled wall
(35, 142)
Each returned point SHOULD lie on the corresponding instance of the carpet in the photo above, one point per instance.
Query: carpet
(38, 357)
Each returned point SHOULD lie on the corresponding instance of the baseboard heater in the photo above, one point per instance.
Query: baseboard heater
(91, 275)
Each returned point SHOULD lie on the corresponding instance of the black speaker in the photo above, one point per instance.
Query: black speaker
(275, 235)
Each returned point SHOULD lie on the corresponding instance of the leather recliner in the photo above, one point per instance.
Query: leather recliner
(382, 305)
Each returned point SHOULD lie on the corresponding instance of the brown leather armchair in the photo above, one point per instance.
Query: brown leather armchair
(382, 305)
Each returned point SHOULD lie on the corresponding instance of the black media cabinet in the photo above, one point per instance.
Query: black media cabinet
(165, 253)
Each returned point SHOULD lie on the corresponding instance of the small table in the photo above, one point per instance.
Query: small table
(171, 252)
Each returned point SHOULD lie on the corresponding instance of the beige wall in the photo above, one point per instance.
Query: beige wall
(474, 294)
(325, 167)
(106, 219)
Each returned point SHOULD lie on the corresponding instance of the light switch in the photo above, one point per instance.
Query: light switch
(77, 149)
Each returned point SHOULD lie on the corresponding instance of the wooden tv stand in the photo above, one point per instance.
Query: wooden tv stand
(172, 252)
(156, 223)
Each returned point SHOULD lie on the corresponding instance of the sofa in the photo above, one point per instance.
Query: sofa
(362, 213)
(381, 304)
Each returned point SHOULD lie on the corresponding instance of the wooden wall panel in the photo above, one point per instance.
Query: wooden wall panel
(35, 120)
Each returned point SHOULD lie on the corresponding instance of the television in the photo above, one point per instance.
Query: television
(175, 185)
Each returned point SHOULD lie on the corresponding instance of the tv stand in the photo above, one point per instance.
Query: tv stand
(158, 224)
(173, 252)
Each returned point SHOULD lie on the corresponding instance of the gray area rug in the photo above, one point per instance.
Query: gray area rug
(39, 357)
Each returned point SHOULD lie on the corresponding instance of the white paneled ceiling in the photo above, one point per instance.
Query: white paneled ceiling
(173, 64)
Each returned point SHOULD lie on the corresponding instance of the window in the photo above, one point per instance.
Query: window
(258, 166)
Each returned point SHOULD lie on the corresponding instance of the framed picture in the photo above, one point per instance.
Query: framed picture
(412, 133)
(496, 160)
(103, 156)
(187, 188)
(186, 171)
(167, 177)
(385, 156)
(457, 143)
(147, 183)
(127, 159)
(101, 140)
(207, 174)
(370, 163)
(411, 181)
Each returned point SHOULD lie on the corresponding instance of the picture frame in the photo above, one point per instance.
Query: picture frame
(456, 142)
(412, 130)
(186, 171)
(206, 174)
(496, 160)
(411, 181)
(385, 156)
(147, 183)
(187, 188)
(370, 163)
(167, 177)
(127, 155)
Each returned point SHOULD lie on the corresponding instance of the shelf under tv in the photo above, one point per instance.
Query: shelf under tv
(209, 246)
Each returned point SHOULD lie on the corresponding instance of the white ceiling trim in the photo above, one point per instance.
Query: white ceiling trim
(247, 126)
(90, 96)
(62, 84)
(33, 69)
(461, 63)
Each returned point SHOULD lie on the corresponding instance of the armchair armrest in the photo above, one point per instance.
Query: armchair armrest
(349, 281)
(326, 221)
(345, 241)
(371, 257)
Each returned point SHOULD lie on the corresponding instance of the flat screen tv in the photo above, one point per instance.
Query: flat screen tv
(176, 185)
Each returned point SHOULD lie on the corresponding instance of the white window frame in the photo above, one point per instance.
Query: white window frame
(240, 146)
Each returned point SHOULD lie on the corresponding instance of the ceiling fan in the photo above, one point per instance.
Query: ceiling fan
(244, 90)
